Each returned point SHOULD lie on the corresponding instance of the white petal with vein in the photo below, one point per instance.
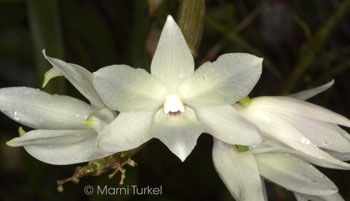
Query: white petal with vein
(306, 94)
(323, 134)
(179, 132)
(293, 107)
(42, 137)
(311, 159)
(276, 128)
(61, 147)
(225, 81)
(128, 131)
(226, 124)
(124, 88)
(172, 62)
(303, 197)
(79, 77)
(238, 171)
(294, 174)
(38, 109)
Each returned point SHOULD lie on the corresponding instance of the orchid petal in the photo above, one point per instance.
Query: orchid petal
(230, 78)
(314, 160)
(276, 128)
(238, 171)
(128, 131)
(306, 94)
(79, 77)
(50, 74)
(339, 155)
(293, 107)
(172, 61)
(105, 115)
(179, 132)
(60, 147)
(226, 124)
(42, 137)
(38, 109)
(294, 174)
(123, 88)
(304, 197)
(323, 134)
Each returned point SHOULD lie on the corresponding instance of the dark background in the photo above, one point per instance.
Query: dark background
(96, 33)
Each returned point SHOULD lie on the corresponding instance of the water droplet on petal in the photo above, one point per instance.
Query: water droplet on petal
(15, 116)
(304, 140)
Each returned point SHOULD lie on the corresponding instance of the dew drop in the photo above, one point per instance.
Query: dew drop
(304, 140)
(15, 117)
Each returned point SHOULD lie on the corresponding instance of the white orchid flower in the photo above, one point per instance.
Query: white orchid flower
(176, 104)
(60, 137)
(242, 171)
(300, 125)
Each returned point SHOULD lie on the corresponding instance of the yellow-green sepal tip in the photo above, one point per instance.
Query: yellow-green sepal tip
(9, 143)
(89, 122)
(45, 82)
(21, 131)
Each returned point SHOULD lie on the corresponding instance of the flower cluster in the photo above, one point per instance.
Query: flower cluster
(273, 138)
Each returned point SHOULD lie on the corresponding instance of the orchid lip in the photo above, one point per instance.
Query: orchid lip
(173, 105)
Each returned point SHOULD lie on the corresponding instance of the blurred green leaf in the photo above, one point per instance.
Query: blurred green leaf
(15, 44)
(313, 46)
(225, 14)
(138, 33)
(88, 26)
(46, 34)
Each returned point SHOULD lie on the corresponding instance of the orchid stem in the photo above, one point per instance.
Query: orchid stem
(191, 21)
